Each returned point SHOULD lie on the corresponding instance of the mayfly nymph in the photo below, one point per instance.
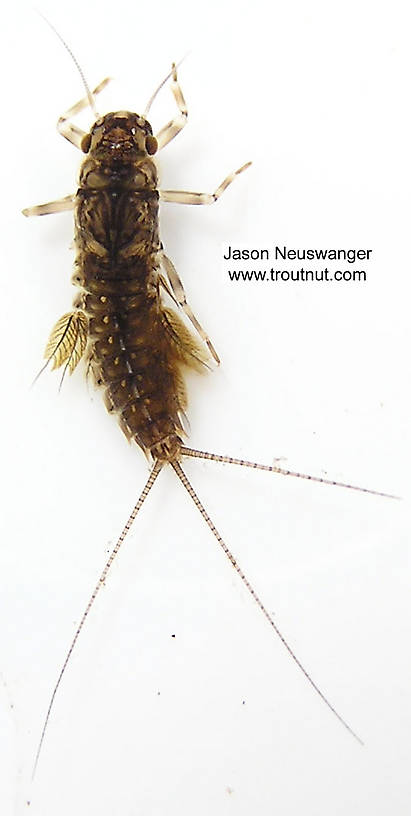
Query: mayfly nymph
(136, 347)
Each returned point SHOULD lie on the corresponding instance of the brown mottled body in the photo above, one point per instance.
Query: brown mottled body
(137, 347)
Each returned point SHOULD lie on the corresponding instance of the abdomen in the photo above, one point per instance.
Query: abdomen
(136, 347)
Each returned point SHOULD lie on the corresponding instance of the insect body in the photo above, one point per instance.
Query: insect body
(137, 348)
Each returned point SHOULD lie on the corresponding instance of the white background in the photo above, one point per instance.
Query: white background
(216, 720)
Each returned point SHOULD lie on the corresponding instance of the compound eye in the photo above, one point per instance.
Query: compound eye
(151, 145)
(85, 143)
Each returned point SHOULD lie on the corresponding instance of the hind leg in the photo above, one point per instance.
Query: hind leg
(180, 297)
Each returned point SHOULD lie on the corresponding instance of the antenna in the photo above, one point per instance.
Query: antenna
(90, 96)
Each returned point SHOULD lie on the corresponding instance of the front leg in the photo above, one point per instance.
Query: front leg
(71, 132)
(172, 128)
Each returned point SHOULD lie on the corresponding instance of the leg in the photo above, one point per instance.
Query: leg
(72, 132)
(169, 131)
(180, 297)
(60, 205)
(185, 197)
